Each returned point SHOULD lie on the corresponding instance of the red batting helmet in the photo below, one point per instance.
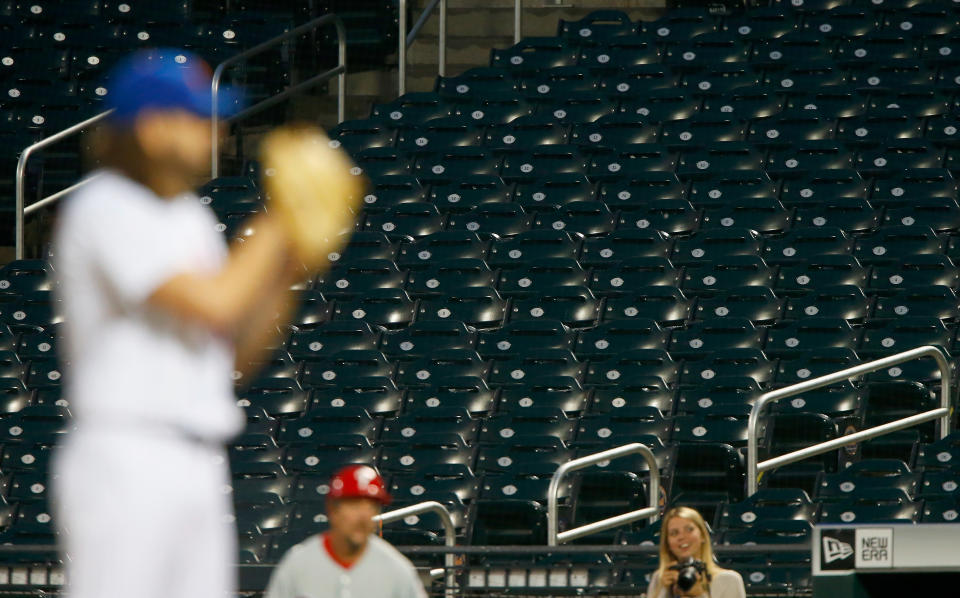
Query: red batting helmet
(358, 481)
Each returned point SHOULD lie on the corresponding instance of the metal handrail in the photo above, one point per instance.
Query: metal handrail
(21, 177)
(554, 538)
(942, 413)
(517, 21)
(339, 71)
(449, 533)
(405, 40)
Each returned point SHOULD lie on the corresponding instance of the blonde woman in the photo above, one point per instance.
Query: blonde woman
(684, 535)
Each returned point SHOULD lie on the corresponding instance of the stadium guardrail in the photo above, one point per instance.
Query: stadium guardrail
(554, 537)
(755, 468)
(339, 71)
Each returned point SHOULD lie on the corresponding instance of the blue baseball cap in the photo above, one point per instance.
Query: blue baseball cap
(166, 78)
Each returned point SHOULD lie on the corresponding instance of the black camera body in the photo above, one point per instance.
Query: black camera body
(688, 570)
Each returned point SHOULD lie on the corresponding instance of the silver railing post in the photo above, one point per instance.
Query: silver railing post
(407, 39)
(554, 538)
(517, 21)
(402, 50)
(21, 178)
(449, 533)
(754, 468)
(338, 71)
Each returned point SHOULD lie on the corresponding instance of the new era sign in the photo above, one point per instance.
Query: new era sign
(856, 548)
(836, 549)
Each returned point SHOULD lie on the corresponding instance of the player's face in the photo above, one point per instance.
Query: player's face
(352, 519)
(178, 139)
(684, 538)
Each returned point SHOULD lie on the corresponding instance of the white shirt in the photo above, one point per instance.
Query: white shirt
(309, 570)
(131, 364)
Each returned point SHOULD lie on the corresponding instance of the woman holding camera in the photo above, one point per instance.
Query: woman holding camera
(687, 567)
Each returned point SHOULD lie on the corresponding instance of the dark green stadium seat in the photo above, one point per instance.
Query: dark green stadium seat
(767, 216)
(467, 392)
(448, 420)
(554, 83)
(644, 391)
(537, 162)
(493, 109)
(867, 475)
(375, 162)
(916, 100)
(731, 363)
(619, 54)
(708, 467)
(940, 454)
(535, 421)
(914, 271)
(598, 26)
(533, 364)
(531, 246)
(680, 24)
(349, 278)
(883, 245)
(559, 393)
(610, 339)
(887, 401)
(425, 452)
(732, 186)
(411, 109)
(788, 339)
(897, 155)
(944, 510)
(447, 244)
(509, 522)
(388, 191)
(390, 308)
(709, 49)
(836, 400)
(744, 103)
(444, 482)
(621, 245)
(876, 126)
(706, 278)
(634, 364)
(462, 195)
(913, 185)
(772, 531)
(575, 306)
(586, 218)
(492, 220)
(445, 275)
(701, 131)
(365, 245)
(800, 244)
(819, 271)
(357, 135)
(666, 305)
(379, 395)
(326, 368)
(759, 304)
(537, 275)
(427, 371)
(843, 22)
(515, 452)
(515, 339)
(668, 216)
(616, 129)
(875, 505)
(480, 307)
(628, 159)
(621, 426)
(658, 105)
(846, 302)
(713, 158)
(808, 158)
(439, 133)
(716, 244)
(810, 188)
(790, 48)
(453, 163)
(533, 54)
(760, 23)
(279, 397)
(720, 395)
(525, 132)
(462, 87)
(935, 300)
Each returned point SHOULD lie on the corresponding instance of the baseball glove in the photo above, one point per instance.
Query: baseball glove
(313, 188)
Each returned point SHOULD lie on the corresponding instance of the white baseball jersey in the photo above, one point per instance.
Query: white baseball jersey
(311, 570)
(139, 487)
(130, 364)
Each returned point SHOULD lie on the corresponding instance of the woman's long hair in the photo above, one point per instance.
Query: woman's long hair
(706, 549)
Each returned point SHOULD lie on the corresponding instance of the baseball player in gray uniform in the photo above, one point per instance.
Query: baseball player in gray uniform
(348, 561)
